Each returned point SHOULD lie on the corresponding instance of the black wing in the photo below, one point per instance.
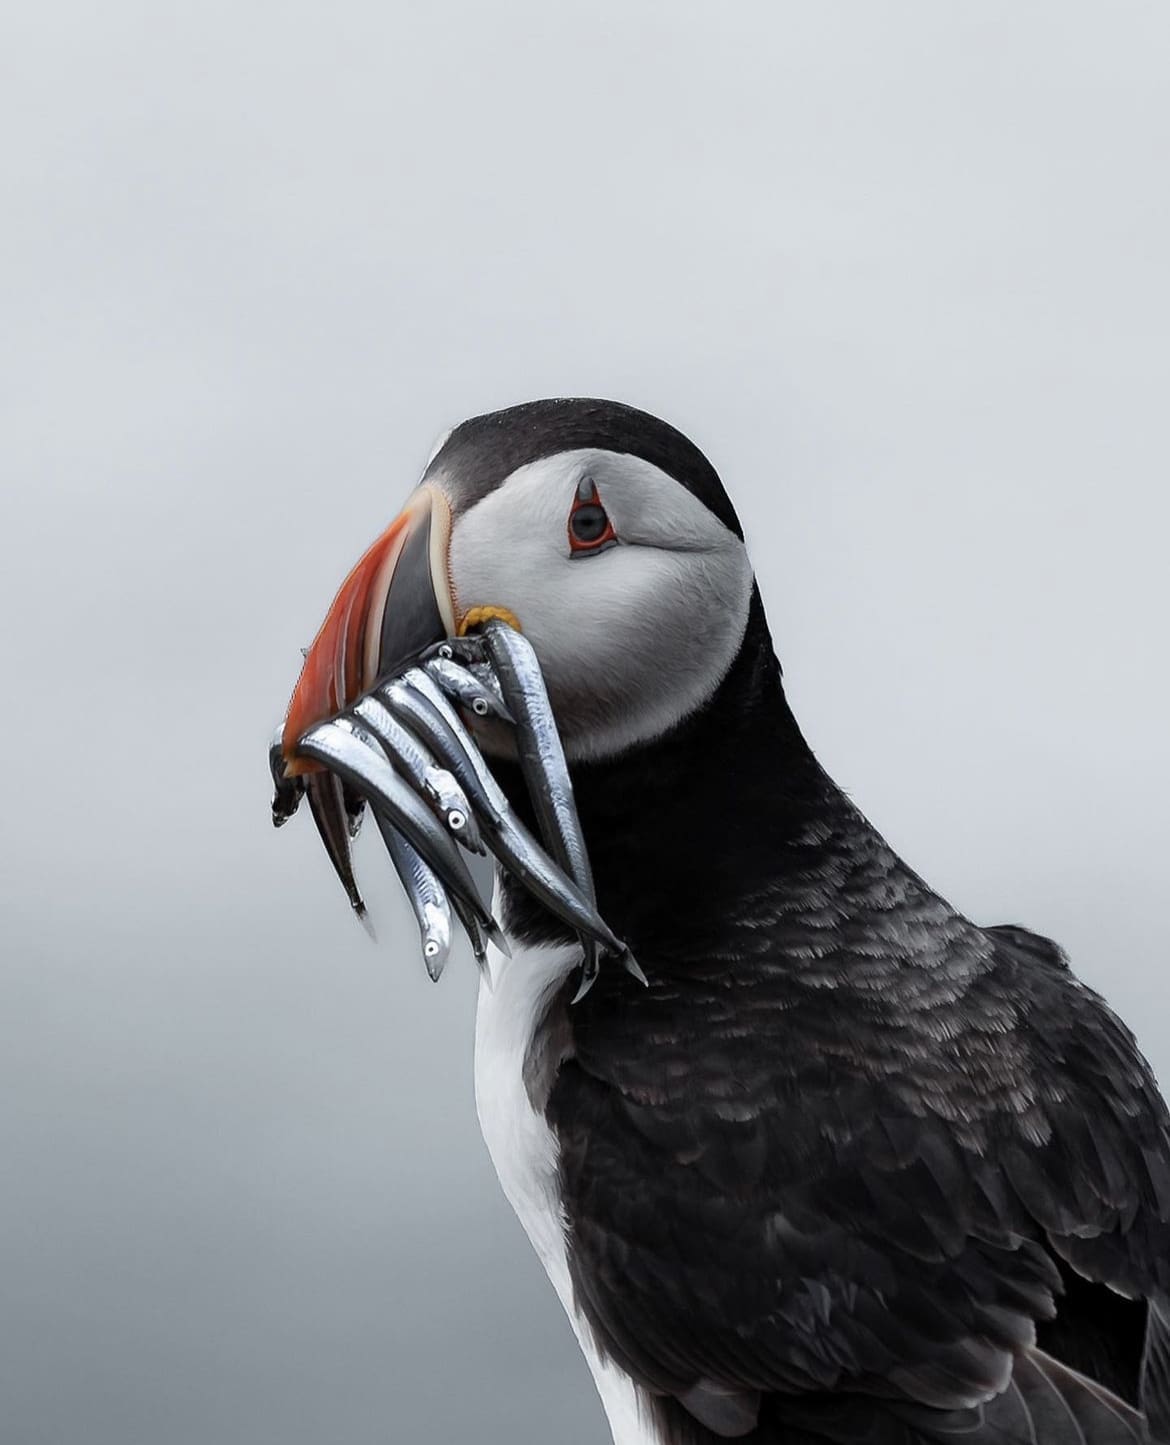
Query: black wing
(803, 1189)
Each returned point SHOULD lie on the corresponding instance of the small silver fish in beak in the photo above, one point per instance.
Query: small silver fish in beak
(327, 805)
(468, 688)
(360, 762)
(546, 774)
(427, 779)
(375, 719)
(286, 798)
(427, 897)
(518, 852)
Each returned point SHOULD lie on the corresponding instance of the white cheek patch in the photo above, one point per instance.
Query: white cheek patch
(633, 639)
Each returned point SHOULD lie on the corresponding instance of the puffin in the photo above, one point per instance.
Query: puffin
(845, 1167)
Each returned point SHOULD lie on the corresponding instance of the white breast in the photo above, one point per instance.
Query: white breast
(524, 1149)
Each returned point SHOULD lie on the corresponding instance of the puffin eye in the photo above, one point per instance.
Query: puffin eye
(588, 524)
(590, 529)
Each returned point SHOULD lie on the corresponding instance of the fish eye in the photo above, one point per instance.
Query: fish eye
(590, 529)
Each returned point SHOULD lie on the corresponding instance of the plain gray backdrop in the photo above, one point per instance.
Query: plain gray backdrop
(900, 268)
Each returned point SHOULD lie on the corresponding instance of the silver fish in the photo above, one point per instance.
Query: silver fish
(425, 710)
(477, 937)
(546, 774)
(356, 758)
(287, 791)
(328, 809)
(470, 652)
(449, 798)
(419, 769)
(538, 744)
(511, 842)
(427, 896)
(469, 688)
(467, 650)
(355, 810)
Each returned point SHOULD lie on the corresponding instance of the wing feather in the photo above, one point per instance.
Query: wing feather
(774, 1189)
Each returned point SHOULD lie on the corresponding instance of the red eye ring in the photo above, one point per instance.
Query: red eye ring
(590, 529)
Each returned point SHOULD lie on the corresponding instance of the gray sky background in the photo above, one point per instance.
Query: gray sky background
(900, 268)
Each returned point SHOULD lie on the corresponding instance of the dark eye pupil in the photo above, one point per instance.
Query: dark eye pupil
(589, 522)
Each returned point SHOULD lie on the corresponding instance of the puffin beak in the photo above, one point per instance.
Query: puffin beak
(395, 602)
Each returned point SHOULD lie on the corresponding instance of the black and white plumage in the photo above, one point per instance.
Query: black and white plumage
(851, 1168)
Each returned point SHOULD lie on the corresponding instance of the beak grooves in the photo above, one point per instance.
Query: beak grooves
(346, 655)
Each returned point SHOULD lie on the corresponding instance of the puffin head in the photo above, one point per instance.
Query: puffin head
(600, 531)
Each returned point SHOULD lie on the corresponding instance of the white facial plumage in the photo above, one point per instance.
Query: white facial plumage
(631, 639)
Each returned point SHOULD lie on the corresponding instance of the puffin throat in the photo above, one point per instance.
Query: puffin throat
(675, 826)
